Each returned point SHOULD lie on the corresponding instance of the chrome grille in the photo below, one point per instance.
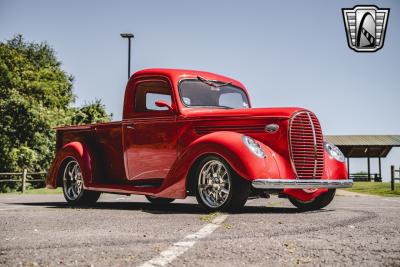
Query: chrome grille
(306, 145)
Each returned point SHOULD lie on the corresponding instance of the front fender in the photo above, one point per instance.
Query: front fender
(334, 169)
(230, 147)
(78, 151)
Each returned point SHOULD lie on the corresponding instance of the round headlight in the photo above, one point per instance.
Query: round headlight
(334, 151)
(253, 146)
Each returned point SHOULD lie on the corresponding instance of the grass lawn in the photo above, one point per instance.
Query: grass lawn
(379, 189)
(41, 191)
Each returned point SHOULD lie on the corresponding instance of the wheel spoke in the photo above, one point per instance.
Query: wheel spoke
(225, 191)
(70, 174)
(71, 192)
(223, 175)
(218, 170)
(78, 189)
(206, 171)
(204, 186)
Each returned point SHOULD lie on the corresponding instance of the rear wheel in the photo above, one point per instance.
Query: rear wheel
(317, 203)
(218, 187)
(159, 200)
(72, 181)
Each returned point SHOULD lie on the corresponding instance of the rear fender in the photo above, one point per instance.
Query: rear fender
(230, 147)
(80, 153)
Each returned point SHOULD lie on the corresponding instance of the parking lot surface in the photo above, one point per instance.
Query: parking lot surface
(119, 231)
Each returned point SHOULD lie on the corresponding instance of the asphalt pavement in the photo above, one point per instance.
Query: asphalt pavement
(41, 230)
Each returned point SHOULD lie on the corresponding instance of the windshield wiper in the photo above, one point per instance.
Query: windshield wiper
(221, 107)
(211, 83)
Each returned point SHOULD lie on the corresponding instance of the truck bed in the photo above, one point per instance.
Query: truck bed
(104, 141)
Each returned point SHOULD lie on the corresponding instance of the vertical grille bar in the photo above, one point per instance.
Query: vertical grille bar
(306, 145)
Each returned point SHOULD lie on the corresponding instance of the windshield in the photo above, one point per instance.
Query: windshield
(205, 93)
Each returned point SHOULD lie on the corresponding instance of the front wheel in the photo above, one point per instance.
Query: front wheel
(218, 187)
(317, 203)
(73, 190)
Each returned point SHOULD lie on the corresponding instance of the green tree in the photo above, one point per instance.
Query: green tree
(35, 96)
(91, 113)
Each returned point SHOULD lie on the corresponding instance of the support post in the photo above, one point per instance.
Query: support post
(380, 169)
(392, 178)
(129, 58)
(129, 36)
(24, 174)
(348, 167)
(369, 169)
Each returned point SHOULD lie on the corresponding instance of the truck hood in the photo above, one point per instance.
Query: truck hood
(251, 122)
(278, 113)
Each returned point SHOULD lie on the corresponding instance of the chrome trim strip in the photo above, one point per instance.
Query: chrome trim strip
(289, 133)
(315, 144)
(300, 183)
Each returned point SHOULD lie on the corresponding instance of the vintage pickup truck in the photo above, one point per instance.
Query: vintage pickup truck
(193, 133)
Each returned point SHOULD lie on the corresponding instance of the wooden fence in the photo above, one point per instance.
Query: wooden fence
(25, 178)
(393, 178)
(363, 177)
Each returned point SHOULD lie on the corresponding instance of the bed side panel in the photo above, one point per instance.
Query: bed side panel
(105, 144)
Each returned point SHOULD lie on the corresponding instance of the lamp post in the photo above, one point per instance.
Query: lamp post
(129, 36)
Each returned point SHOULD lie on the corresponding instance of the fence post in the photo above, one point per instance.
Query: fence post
(392, 177)
(24, 180)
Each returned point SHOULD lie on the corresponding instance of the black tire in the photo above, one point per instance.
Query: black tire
(239, 189)
(81, 196)
(317, 203)
(159, 200)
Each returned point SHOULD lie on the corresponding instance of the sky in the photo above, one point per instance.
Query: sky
(287, 53)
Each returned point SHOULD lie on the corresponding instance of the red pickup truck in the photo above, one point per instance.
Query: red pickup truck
(193, 133)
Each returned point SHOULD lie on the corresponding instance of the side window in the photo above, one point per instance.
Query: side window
(148, 92)
(151, 99)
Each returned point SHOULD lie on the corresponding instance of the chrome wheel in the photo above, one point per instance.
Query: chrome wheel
(214, 183)
(72, 180)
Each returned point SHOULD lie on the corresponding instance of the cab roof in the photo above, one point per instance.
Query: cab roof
(175, 75)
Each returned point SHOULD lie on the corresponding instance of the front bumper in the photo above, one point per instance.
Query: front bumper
(300, 183)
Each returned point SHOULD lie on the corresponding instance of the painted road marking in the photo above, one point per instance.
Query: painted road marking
(180, 247)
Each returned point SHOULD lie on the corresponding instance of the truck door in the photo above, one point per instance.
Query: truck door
(150, 135)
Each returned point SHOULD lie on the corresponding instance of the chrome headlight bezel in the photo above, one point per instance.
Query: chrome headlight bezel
(253, 146)
(334, 152)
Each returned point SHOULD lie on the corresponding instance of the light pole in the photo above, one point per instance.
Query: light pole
(129, 36)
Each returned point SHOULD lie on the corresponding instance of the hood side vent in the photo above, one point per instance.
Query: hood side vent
(232, 128)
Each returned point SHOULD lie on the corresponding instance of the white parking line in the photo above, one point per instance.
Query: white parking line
(180, 247)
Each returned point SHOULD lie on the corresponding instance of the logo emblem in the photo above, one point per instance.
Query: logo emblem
(365, 27)
(272, 128)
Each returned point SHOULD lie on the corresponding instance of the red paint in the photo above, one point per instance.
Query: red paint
(162, 146)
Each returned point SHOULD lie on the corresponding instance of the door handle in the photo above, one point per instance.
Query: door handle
(130, 126)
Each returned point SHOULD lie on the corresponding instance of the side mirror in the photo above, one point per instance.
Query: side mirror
(163, 104)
